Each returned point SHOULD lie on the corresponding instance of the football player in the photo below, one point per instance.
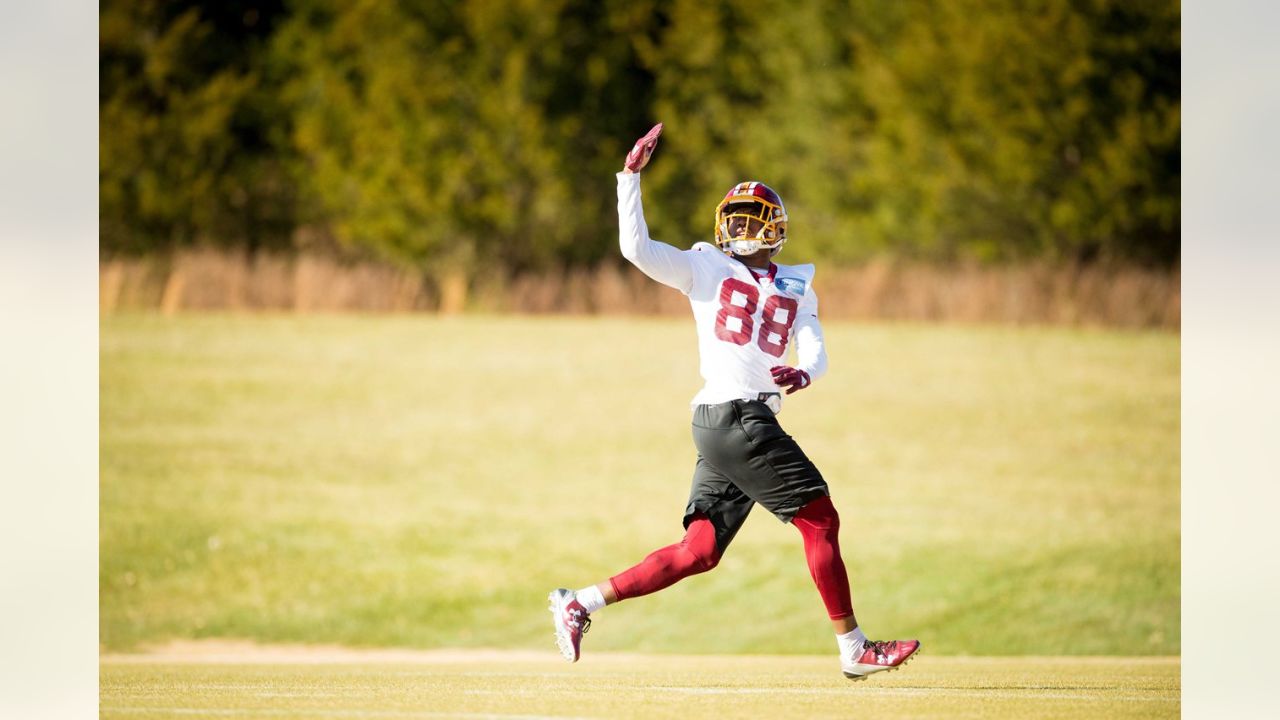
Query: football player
(749, 311)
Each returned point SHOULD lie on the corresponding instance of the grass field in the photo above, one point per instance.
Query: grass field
(423, 482)
(637, 686)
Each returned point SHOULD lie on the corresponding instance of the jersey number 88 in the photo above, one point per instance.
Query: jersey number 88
(745, 314)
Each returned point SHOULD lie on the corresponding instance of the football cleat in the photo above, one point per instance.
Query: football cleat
(571, 622)
(880, 656)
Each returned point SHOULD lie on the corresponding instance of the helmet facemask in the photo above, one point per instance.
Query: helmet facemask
(746, 224)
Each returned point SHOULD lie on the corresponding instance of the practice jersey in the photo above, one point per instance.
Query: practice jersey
(746, 324)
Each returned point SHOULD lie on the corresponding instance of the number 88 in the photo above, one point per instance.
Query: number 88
(745, 314)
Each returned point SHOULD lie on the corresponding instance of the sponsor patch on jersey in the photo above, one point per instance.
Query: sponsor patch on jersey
(794, 286)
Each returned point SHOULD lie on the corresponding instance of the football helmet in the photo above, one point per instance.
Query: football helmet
(757, 209)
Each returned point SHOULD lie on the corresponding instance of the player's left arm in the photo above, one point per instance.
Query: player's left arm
(811, 351)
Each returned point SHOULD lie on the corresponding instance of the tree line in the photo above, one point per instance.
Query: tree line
(450, 136)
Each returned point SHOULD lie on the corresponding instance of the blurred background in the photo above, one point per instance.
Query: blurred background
(989, 160)
(373, 373)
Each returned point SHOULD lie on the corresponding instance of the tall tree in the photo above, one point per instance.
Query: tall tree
(439, 134)
(186, 150)
(442, 134)
(1007, 129)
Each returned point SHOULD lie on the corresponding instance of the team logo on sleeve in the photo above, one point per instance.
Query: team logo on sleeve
(790, 285)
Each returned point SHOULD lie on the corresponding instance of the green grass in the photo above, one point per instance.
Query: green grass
(631, 686)
(417, 481)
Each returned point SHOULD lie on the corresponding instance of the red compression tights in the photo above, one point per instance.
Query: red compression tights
(819, 524)
(665, 566)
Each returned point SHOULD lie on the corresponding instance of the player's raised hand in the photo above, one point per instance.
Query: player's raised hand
(789, 378)
(639, 155)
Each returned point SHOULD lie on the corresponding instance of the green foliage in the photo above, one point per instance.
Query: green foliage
(1012, 129)
(438, 135)
(441, 134)
(312, 479)
(186, 128)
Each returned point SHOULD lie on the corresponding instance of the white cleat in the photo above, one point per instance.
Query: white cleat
(571, 621)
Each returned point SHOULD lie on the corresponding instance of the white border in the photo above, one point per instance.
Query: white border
(49, 359)
(1231, 356)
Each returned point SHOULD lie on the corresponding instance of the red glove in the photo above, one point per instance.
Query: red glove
(639, 155)
(789, 378)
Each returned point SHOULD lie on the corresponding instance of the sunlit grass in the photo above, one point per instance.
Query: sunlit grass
(645, 687)
(418, 481)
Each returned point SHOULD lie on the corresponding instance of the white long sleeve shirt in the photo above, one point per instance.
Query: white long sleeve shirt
(746, 324)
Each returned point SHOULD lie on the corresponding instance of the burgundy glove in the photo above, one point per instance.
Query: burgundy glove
(639, 155)
(789, 378)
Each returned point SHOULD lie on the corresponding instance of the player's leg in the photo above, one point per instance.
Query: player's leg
(715, 512)
(745, 441)
(695, 553)
(819, 526)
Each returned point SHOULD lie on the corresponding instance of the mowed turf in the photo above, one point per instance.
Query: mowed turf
(636, 686)
(417, 481)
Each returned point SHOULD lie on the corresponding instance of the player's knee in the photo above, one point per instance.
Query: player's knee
(701, 555)
(704, 559)
(700, 550)
(834, 521)
(819, 517)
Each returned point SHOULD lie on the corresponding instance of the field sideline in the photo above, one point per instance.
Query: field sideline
(249, 682)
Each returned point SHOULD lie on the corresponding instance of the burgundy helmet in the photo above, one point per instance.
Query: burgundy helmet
(765, 216)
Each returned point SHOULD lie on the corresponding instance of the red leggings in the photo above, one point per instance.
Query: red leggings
(817, 522)
(664, 567)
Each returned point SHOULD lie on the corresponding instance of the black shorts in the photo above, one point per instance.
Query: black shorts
(744, 458)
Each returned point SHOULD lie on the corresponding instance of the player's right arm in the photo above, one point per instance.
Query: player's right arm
(659, 261)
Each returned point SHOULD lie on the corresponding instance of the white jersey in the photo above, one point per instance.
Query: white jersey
(746, 324)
